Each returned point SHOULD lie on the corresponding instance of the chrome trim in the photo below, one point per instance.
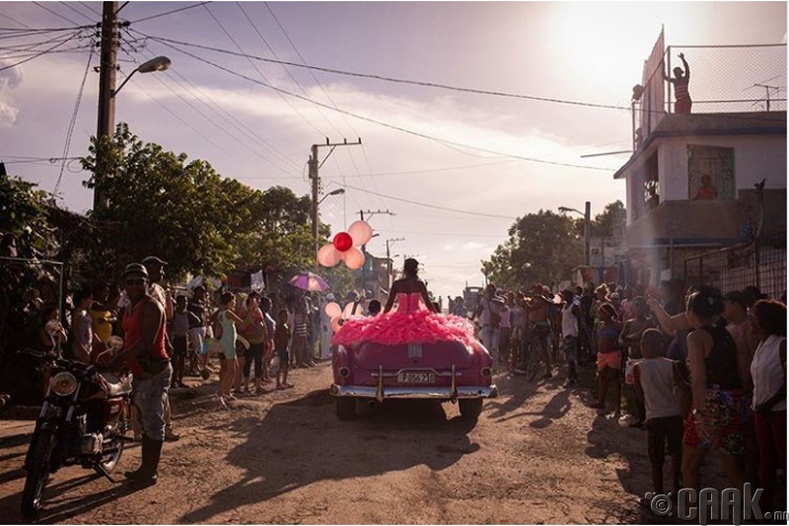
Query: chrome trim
(379, 393)
(416, 369)
(443, 393)
(454, 386)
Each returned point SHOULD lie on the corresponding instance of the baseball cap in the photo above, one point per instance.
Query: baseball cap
(135, 268)
(150, 260)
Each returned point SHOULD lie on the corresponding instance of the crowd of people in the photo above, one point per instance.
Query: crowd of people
(704, 372)
(701, 372)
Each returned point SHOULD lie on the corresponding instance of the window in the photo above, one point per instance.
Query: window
(645, 188)
(710, 172)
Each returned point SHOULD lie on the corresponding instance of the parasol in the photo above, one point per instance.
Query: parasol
(309, 281)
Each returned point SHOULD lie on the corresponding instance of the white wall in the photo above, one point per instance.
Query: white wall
(756, 157)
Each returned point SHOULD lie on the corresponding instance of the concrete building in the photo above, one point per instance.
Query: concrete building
(692, 188)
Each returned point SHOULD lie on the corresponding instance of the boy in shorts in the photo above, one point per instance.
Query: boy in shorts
(655, 378)
(281, 342)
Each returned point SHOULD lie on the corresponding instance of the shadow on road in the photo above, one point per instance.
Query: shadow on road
(302, 442)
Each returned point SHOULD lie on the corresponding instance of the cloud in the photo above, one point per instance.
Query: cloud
(10, 79)
(472, 245)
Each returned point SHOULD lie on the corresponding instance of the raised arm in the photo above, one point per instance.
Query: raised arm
(685, 64)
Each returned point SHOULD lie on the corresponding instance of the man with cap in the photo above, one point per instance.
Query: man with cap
(155, 268)
(143, 325)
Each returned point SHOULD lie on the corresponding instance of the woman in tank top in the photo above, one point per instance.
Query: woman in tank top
(718, 405)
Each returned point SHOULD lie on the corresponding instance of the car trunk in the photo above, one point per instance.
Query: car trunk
(438, 356)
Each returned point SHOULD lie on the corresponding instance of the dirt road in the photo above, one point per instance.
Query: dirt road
(537, 455)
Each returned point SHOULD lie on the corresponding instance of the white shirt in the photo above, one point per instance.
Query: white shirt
(767, 372)
(569, 321)
(488, 306)
(657, 380)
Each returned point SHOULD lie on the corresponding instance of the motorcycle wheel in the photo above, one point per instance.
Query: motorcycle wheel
(38, 473)
(110, 460)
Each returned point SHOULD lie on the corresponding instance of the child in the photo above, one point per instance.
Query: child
(654, 382)
(609, 357)
(281, 341)
(374, 308)
(631, 339)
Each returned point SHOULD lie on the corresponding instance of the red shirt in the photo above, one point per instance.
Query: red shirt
(132, 329)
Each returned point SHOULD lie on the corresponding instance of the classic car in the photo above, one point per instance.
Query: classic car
(445, 370)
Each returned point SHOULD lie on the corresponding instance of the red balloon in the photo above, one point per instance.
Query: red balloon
(343, 242)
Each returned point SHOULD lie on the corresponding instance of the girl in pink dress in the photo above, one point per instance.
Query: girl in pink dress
(413, 321)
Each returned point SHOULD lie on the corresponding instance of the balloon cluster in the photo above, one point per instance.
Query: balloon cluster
(338, 316)
(343, 246)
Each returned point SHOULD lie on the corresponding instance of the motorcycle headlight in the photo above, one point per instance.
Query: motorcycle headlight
(63, 384)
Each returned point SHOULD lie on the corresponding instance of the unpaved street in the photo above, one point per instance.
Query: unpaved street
(536, 455)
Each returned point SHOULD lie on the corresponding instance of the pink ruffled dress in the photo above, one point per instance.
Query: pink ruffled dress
(410, 322)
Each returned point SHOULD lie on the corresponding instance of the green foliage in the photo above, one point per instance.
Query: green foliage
(545, 247)
(155, 202)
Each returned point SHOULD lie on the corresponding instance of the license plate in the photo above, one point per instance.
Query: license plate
(416, 378)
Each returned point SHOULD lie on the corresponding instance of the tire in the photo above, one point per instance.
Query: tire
(470, 407)
(38, 473)
(532, 361)
(346, 408)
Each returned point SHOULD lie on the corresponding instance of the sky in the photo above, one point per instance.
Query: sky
(450, 170)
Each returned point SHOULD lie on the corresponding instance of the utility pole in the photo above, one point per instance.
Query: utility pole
(314, 166)
(107, 75)
(389, 243)
(370, 213)
(587, 225)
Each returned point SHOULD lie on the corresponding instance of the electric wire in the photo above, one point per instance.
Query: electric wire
(80, 13)
(436, 207)
(38, 54)
(265, 79)
(166, 13)
(14, 21)
(55, 13)
(72, 123)
(86, 6)
(444, 142)
(234, 122)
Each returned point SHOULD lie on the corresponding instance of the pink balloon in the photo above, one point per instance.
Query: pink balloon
(332, 310)
(328, 256)
(336, 323)
(361, 232)
(353, 258)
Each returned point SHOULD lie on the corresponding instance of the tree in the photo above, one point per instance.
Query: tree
(609, 221)
(542, 247)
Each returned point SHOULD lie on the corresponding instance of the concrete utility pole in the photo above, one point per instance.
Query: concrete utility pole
(107, 75)
(389, 243)
(314, 166)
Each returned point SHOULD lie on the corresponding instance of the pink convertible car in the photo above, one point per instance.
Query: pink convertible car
(445, 370)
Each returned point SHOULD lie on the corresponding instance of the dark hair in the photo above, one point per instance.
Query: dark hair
(609, 308)
(707, 302)
(374, 306)
(282, 311)
(46, 310)
(652, 339)
(771, 316)
(265, 303)
(226, 297)
(737, 296)
(80, 295)
(639, 302)
(252, 296)
(754, 294)
(411, 267)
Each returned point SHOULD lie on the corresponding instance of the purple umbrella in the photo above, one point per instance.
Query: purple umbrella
(309, 281)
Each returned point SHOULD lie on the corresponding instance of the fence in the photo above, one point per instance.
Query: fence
(752, 264)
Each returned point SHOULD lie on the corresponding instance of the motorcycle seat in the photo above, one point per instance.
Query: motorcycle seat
(116, 385)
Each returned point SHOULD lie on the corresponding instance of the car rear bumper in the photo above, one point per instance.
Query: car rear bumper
(436, 392)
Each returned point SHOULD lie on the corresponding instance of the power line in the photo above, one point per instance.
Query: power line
(167, 12)
(41, 53)
(86, 6)
(443, 142)
(72, 123)
(431, 206)
(400, 81)
(80, 13)
(55, 13)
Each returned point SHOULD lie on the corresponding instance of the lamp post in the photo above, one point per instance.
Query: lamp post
(389, 243)
(107, 93)
(587, 219)
(315, 204)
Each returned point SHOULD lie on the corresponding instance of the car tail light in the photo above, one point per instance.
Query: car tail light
(344, 372)
(486, 372)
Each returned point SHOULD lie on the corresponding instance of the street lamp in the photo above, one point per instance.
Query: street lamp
(315, 204)
(338, 191)
(160, 63)
(587, 219)
(107, 92)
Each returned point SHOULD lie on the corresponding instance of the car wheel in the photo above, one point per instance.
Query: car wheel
(470, 407)
(346, 408)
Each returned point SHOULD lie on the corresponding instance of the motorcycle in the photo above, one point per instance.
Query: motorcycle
(84, 419)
